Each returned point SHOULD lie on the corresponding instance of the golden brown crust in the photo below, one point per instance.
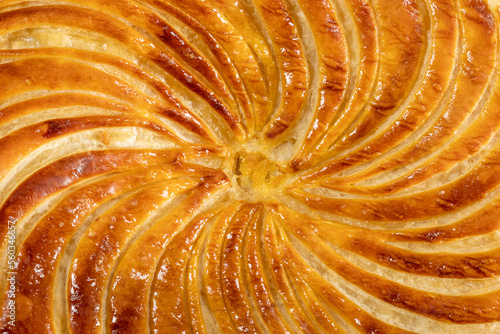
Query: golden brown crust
(249, 166)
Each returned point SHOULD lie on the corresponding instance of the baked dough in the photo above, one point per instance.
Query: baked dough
(249, 166)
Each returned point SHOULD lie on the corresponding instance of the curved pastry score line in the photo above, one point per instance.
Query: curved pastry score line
(434, 90)
(116, 86)
(476, 20)
(114, 239)
(93, 20)
(86, 201)
(233, 53)
(405, 299)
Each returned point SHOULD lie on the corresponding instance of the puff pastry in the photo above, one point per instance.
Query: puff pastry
(249, 166)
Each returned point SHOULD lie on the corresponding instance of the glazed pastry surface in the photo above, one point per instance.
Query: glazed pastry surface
(249, 166)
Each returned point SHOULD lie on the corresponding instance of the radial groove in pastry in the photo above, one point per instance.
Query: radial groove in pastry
(249, 166)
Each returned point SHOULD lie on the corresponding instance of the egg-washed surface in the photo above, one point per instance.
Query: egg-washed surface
(249, 166)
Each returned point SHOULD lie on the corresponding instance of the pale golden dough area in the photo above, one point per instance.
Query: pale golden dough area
(250, 166)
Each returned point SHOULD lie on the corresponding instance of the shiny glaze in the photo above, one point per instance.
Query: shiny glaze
(264, 166)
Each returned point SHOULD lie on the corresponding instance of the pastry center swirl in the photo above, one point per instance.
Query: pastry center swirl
(256, 177)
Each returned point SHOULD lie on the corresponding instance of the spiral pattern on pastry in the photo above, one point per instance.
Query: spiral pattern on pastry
(249, 166)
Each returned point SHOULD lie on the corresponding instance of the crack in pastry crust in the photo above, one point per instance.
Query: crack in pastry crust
(249, 166)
